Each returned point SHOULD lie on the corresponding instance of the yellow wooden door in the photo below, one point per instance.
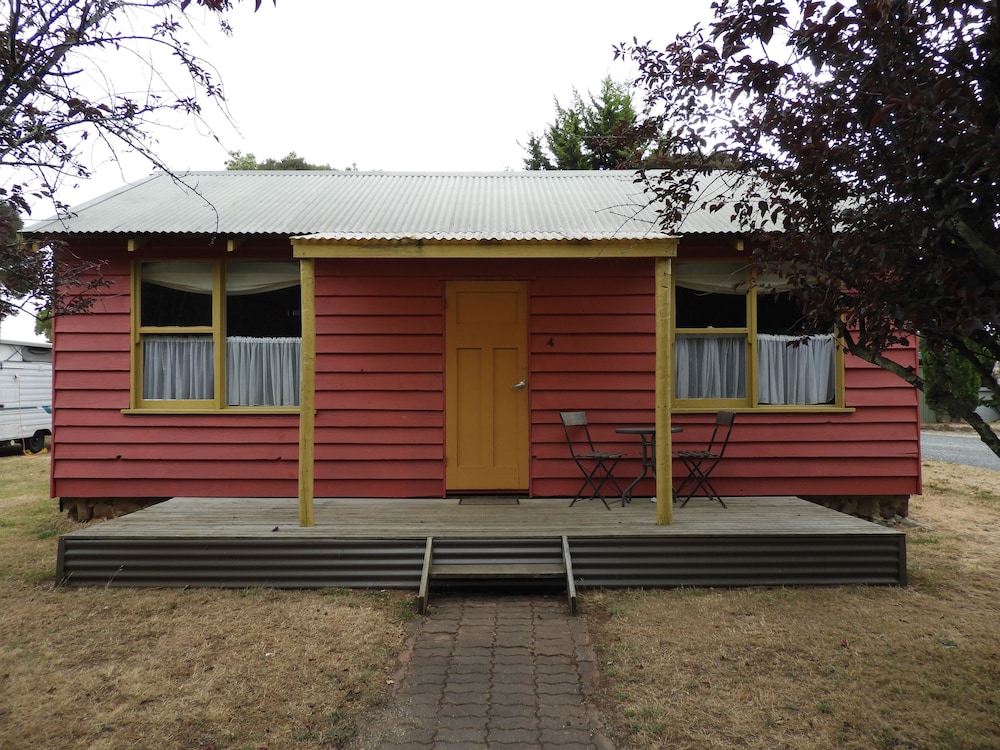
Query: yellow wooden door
(486, 442)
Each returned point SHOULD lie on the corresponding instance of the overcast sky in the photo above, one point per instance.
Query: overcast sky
(396, 85)
(430, 85)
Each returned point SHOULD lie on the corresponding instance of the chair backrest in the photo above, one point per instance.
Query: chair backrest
(721, 432)
(577, 419)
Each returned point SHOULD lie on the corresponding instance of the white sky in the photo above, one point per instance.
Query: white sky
(394, 85)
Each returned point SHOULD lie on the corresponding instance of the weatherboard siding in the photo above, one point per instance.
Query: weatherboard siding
(101, 451)
(592, 348)
(380, 396)
(379, 381)
(380, 363)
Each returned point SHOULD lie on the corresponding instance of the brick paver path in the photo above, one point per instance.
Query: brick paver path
(493, 672)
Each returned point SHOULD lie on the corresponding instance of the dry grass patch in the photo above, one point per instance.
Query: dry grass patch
(809, 668)
(167, 668)
(839, 667)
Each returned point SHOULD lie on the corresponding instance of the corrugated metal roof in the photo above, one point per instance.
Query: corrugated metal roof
(380, 206)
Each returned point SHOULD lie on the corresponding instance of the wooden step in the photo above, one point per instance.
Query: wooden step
(498, 570)
(559, 568)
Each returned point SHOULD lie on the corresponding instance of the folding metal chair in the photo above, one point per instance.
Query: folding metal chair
(701, 463)
(596, 466)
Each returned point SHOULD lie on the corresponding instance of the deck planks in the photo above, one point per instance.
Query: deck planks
(198, 517)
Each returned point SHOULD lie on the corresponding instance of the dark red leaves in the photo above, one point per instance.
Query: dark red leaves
(872, 141)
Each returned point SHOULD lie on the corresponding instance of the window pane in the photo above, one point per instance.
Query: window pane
(263, 333)
(791, 371)
(169, 298)
(710, 309)
(710, 366)
(177, 367)
(778, 314)
(263, 371)
(275, 313)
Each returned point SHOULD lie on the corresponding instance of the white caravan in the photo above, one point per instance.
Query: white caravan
(25, 394)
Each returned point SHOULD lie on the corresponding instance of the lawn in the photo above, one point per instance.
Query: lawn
(165, 668)
(816, 668)
(812, 668)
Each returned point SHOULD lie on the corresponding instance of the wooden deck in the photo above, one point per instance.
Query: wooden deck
(382, 543)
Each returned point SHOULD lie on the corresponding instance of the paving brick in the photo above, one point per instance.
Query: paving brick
(523, 672)
(445, 734)
(506, 723)
(494, 745)
(524, 736)
(562, 712)
(477, 721)
(512, 709)
(558, 688)
(476, 698)
(563, 674)
(507, 656)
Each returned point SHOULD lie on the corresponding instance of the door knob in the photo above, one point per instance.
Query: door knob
(519, 386)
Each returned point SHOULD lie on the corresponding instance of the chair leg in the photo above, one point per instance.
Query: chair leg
(699, 476)
(606, 477)
(692, 476)
(710, 491)
(595, 480)
(594, 486)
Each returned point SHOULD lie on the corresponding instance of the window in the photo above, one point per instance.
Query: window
(740, 343)
(214, 334)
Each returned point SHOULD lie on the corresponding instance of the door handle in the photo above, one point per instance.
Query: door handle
(519, 386)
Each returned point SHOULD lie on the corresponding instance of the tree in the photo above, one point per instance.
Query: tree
(57, 96)
(588, 134)
(32, 275)
(868, 147)
(238, 162)
(948, 377)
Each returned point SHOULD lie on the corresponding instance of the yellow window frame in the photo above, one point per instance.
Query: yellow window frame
(217, 330)
(751, 402)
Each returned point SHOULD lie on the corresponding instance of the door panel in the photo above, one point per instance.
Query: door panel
(486, 355)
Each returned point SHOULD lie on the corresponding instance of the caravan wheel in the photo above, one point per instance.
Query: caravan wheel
(35, 443)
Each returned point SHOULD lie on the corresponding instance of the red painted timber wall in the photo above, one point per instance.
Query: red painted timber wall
(380, 402)
(98, 451)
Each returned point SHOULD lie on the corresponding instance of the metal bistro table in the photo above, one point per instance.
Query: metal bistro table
(647, 438)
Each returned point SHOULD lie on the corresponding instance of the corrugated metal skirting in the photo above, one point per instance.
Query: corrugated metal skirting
(878, 559)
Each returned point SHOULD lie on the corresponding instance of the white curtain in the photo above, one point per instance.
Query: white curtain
(804, 374)
(726, 278)
(242, 277)
(177, 367)
(263, 371)
(710, 366)
(716, 278)
(260, 371)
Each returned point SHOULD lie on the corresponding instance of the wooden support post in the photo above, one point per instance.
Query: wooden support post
(664, 392)
(307, 393)
(137, 243)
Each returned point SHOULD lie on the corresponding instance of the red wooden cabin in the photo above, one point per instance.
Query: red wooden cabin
(415, 304)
